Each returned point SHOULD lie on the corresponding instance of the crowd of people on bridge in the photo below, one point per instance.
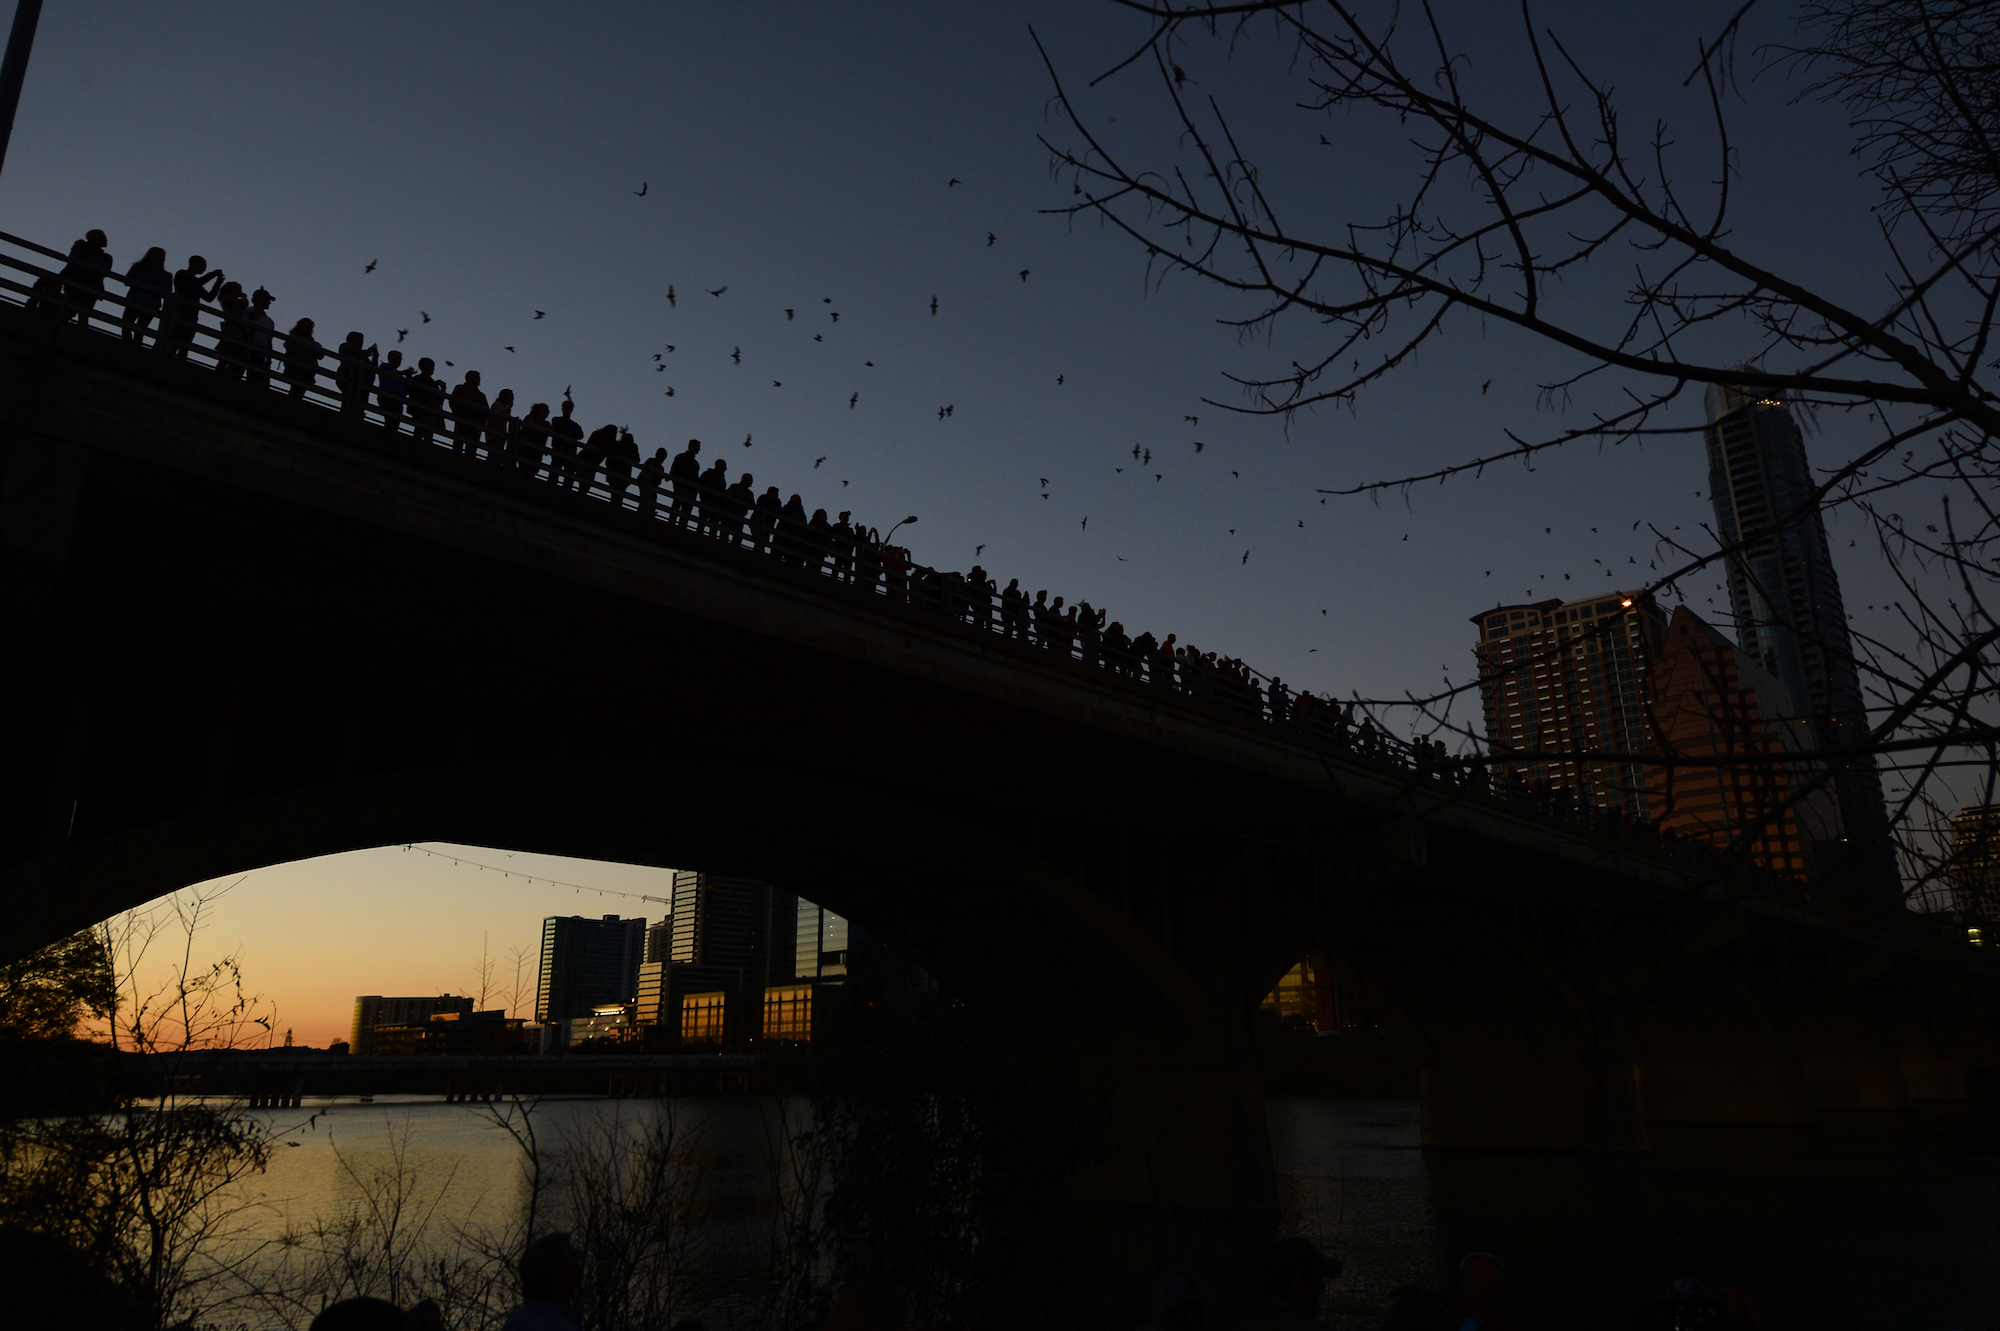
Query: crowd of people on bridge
(547, 445)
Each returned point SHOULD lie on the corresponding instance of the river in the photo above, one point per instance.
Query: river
(1869, 1223)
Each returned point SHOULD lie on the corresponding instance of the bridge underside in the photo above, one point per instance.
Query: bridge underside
(238, 632)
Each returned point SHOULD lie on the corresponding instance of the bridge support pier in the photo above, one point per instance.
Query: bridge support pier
(1187, 1186)
(1530, 1081)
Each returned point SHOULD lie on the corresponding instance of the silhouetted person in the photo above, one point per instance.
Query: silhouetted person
(302, 355)
(742, 505)
(551, 1275)
(192, 285)
(686, 473)
(147, 286)
(83, 276)
(468, 414)
(621, 460)
(1414, 1309)
(1290, 1280)
(715, 498)
(596, 449)
(764, 520)
(792, 524)
(652, 472)
(820, 532)
(360, 1315)
(565, 440)
(499, 425)
(392, 389)
(1013, 610)
(355, 374)
(233, 350)
(530, 440)
(260, 330)
(1482, 1293)
(426, 401)
(843, 548)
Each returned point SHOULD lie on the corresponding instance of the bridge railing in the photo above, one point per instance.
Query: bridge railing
(359, 384)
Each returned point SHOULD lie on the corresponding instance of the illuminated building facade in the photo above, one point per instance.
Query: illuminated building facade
(1571, 677)
(372, 1011)
(1975, 861)
(788, 1012)
(1713, 700)
(587, 963)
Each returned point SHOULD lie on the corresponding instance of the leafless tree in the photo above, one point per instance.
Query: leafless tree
(1516, 210)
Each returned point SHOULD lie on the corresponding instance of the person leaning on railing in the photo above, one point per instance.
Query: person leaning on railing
(426, 401)
(232, 349)
(302, 356)
(192, 285)
(468, 414)
(565, 439)
(147, 286)
(355, 374)
(83, 276)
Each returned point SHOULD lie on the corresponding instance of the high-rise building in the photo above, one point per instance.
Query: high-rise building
(372, 1010)
(1571, 677)
(586, 964)
(821, 947)
(655, 1007)
(1785, 596)
(1975, 861)
(731, 936)
(1711, 699)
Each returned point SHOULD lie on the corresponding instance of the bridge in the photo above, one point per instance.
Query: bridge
(245, 625)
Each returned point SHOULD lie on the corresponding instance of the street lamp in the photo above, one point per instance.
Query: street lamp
(904, 523)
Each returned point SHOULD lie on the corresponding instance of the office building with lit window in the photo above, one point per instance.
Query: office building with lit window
(730, 936)
(587, 964)
(1974, 868)
(374, 1010)
(1713, 700)
(1785, 597)
(1571, 677)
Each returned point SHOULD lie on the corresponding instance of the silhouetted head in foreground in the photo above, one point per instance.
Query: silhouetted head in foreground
(1414, 1309)
(361, 1315)
(551, 1270)
(869, 1305)
(44, 1282)
(1689, 1305)
(1482, 1284)
(1294, 1271)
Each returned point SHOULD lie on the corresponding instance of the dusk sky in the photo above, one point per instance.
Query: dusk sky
(486, 158)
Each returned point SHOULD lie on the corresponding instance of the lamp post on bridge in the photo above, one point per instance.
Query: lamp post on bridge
(892, 531)
(14, 68)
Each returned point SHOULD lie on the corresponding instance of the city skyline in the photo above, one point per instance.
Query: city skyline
(810, 160)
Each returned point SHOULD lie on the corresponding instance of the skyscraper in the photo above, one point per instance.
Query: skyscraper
(731, 936)
(1572, 677)
(1785, 596)
(821, 946)
(586, 963)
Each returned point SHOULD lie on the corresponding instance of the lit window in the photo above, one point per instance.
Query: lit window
(1973, 937)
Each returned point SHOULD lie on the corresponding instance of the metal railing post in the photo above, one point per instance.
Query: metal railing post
(14, 68)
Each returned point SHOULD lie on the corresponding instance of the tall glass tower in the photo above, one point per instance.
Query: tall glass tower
(1785, 596)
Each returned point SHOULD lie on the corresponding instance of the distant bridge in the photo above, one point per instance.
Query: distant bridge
(278, 1079)
(243, 629)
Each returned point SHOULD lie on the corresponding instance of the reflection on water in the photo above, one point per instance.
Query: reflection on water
(1870, 1223)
